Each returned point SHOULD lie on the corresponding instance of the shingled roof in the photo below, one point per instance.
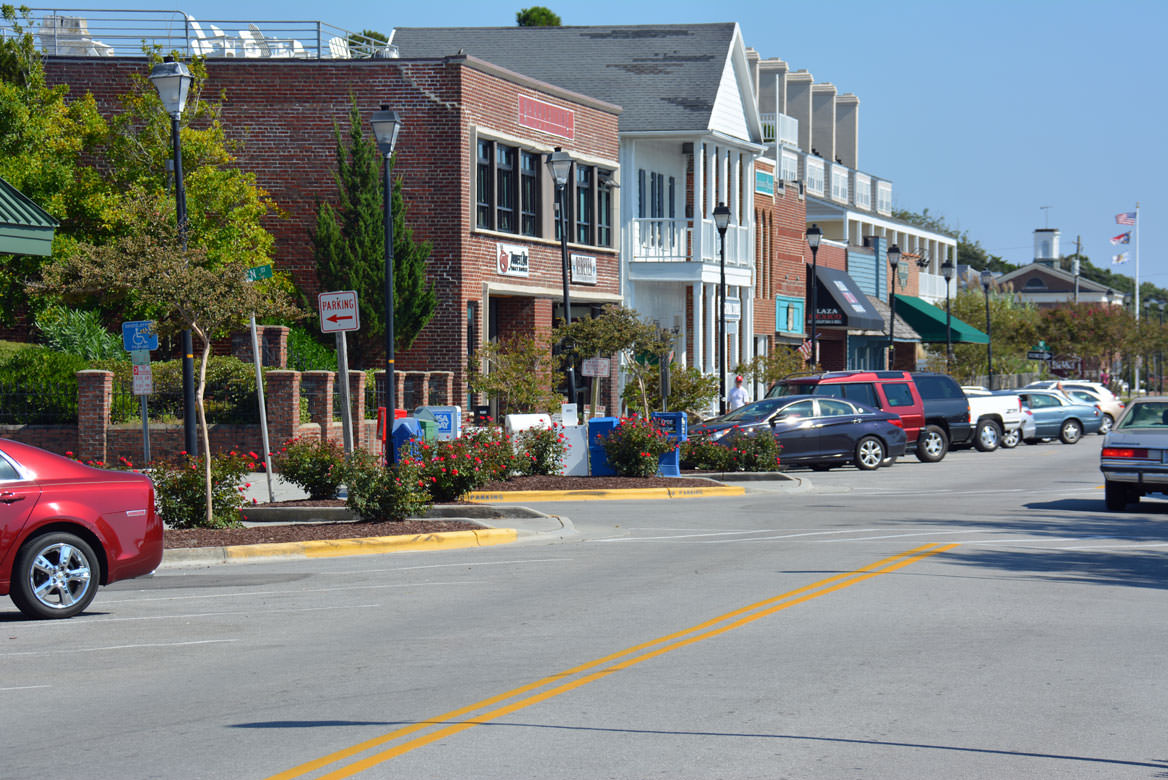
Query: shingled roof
(665, 77)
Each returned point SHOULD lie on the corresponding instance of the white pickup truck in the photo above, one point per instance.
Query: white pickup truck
(996, 418)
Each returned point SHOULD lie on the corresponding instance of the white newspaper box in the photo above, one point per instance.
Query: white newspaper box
(516, 423)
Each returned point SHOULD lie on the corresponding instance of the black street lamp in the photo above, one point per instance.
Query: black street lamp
(947, 271)
(386, 126)
(173, 81)
(722, 221)
(814, 234)
(894, 261)
(987, 278)
(560, 164)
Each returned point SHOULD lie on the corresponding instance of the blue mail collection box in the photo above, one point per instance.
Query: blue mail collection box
(406, 430)
(675, 426)
(598, 428)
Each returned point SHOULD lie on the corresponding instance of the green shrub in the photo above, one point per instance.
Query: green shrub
(450, 469)
(317, 467)
(704, 455)
(80, 333)
(230, 395)
(180, 490)
(634, 446)
(496, 451)
(752, 452)
(378, 494)
(45, 382)
(541, 450)
(306, 353)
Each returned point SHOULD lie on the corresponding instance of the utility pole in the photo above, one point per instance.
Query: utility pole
(1075, 264)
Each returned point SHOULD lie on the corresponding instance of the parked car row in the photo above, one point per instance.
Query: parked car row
(929, 410)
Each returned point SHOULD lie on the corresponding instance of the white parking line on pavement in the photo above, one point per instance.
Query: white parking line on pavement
(72, 650)
(725, 533)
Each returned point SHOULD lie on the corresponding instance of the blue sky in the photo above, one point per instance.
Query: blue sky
(984, 113)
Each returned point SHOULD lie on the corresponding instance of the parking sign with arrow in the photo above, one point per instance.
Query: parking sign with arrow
(338, 311)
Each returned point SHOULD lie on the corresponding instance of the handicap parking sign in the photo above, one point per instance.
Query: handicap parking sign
(139, 335)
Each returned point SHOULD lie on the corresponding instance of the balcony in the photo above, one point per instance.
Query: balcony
(671, 241)
(780, 129)
(69, 32)
(932, 288)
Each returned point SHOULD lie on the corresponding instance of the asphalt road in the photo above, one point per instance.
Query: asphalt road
(984, 617)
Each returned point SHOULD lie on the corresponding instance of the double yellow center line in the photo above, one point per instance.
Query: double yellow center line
(493, 708)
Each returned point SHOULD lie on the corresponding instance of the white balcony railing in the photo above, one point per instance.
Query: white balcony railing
(738, 244)
(780, 128)
(662, 240)
(932, 288)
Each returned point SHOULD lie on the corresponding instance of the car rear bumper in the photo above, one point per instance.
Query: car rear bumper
(1158, 478)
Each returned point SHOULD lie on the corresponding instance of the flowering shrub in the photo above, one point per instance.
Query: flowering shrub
(451, 468)
(634, 446)
(180, 491)
(704, 455)
(314, 466)
(377, 493)
(541, 450)
(494, 447)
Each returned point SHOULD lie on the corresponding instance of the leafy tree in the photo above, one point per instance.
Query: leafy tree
(537, 16)
(518, 373)
(969, 251)
(1014, 330)
(771, 367)
(690, 390)
(349, 246)
(621, 332)
(185, 289)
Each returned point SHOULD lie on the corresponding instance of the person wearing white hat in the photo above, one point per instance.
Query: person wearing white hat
(738, 394)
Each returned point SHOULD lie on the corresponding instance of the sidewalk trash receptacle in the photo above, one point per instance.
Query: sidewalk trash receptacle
(598, 428)
(675, 426)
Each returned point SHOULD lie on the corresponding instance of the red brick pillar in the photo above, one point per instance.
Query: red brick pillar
(400, 398)
(318, 387)
(450, 388)
(426, 388)
(275, 345)
(283, 401)
(94, 398)
(357, 405)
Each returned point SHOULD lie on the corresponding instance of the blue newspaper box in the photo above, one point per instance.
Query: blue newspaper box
(676, 428)
(406, 430)
(598, 428)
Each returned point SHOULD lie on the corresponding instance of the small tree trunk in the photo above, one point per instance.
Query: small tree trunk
(203, 423)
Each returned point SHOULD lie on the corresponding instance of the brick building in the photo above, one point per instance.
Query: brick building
(471, 155)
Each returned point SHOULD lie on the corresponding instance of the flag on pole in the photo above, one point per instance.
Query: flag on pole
(1120, 258)
(1122, 238)
(805, 349)
(1126, 218)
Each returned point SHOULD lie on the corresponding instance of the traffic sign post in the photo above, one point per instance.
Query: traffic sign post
(139, 335)
(339, 315)
(139, 339)
(1037, 355)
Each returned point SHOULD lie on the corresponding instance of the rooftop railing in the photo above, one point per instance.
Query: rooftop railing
(86, 32)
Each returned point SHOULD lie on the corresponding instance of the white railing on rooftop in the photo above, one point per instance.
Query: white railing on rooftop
(780, 128)
(87, 32)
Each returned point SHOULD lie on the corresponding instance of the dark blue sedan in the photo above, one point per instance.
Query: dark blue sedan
(815, 430)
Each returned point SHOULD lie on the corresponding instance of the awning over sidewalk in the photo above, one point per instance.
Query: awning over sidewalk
(929, 321)
(25, 228)
(841, 304)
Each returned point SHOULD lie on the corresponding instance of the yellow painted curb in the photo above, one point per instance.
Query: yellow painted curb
(333, 548)
(514, 496)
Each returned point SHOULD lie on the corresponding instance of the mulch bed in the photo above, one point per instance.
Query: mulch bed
(304, 532)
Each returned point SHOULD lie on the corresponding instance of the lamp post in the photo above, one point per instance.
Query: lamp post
(722, 221)
(173, 81)
(894, 261)
(814, 234)
(947, 272)
(386, 126)
(560, 164)
(987, 278)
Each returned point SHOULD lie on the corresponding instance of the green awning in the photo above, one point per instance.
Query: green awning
(929, 321)
(25, 228)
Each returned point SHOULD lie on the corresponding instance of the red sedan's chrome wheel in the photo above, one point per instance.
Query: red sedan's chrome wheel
(56, 576)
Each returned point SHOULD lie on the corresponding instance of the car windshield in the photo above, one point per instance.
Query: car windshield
(792, 388)
(1146, 414)
(755, 412)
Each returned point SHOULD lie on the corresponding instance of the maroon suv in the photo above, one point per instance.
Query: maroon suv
(891, 391)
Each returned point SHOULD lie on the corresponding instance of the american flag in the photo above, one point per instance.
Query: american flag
(805, 350)
(1122, 238)
(1126, 218)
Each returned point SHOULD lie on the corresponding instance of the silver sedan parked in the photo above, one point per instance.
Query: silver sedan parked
(1134, 459)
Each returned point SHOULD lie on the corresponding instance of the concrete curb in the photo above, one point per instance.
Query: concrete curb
(335, 548)
(604, 495)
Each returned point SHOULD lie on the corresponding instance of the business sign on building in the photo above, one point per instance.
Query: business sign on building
(583, 269)
(764, 182)
(733, 309)
(539, 115)
(512, 260)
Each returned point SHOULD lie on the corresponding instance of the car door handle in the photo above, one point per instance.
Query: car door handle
(10, 498)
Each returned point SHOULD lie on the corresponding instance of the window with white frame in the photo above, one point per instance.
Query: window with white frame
(862, 191)
(839, 183)
(814, 175)
(790, 166)
(884, 197)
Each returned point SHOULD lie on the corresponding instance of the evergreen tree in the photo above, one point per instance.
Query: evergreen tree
(349, 247)
(537, 16)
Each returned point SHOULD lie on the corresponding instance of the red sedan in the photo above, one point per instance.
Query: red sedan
(66, 528)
